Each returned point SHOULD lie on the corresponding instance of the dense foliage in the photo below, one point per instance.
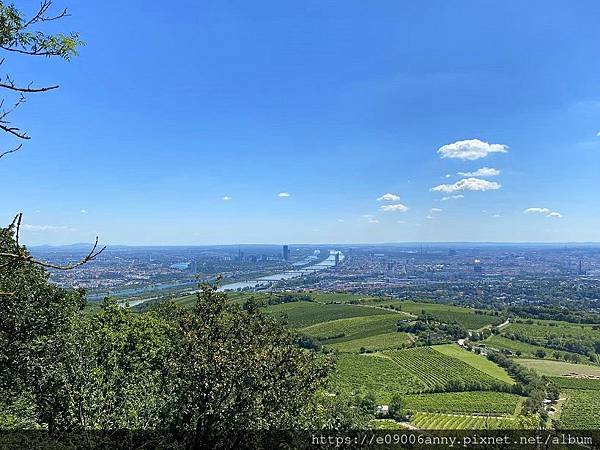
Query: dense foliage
(205, 371)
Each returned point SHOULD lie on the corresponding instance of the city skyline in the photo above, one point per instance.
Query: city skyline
(308, 123)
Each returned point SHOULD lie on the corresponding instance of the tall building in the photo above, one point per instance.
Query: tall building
(337, 259)
(286, 253)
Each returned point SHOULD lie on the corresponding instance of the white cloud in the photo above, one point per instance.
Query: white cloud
(545, 211)
(537, 211)
(429, 217)
(483, 172)
(447, 175)
(398, 207)
(47, 228)
(84, 211)
(435, 210)
(226, 198)
(470, 149)
(283, 194)
(598, 134)
(370, 218)
(452, 197)
(388, 198)
(340, 220)
(467, 184)
(497, 215)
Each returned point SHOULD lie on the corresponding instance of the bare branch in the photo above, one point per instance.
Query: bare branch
(8, 152)
(41, 17)
(21, 255)
(14, 131)
(12, 87)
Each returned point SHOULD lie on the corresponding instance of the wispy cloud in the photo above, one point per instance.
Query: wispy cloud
(284, 194)
(467, 184)
(84, 211)
(544, 211)
(537, 211)
(226, 198)
(370, 218)
(435, 210)
(52, 228)
(483, 172)
(452, 197)
(398, 207)
(389, 197)
(470, 149)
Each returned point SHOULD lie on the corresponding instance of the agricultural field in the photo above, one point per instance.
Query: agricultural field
(466, 317)
(477, 361)
(496, 403)
(341, 330)
(544, 330)
(415, 370)
(576, 383)
(581, 410)
(373, 373)
(437, 421)
(560, 369)
(527, 350)
(384, 341)
(302, 314)
(438, 371)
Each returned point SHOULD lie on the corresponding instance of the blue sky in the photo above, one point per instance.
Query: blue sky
(169, 109)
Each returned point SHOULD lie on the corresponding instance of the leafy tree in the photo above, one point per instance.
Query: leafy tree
(239, 370)
(32, 313)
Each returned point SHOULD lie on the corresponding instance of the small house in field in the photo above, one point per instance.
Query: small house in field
(383, 411)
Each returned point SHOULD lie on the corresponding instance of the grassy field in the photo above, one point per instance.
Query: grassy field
(542, 330)
(303, 314)
(479, 362)
(385, 341)
(576, 383)
(466, 317)
(353, 327)
(527, 350)
(581, 410)
(497, 403)
(437, 421)
(559, 368)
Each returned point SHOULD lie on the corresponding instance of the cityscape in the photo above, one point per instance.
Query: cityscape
(470, 274)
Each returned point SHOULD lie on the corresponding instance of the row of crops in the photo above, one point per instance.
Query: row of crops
(342, 330)
(576, 383)
(439, 372)
(437, 421)
(581, 410)
(496, 403)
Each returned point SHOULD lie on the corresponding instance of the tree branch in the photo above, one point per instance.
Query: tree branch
(19, 254)
(7, 152)
(12, 87)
